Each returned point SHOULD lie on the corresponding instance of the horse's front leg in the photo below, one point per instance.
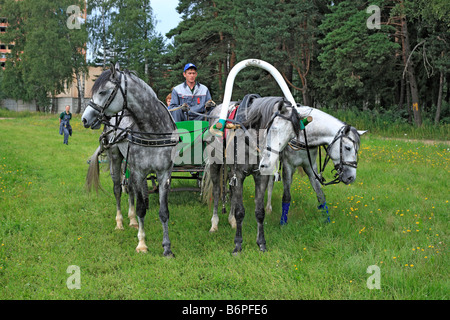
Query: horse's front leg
(260, 189)
(288, 172)
(115, 172)
(164, 188)
(269, 194)
(319, 192)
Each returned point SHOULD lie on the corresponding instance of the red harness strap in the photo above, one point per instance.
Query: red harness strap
(230, 116)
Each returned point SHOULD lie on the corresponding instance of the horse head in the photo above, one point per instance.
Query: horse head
(105, 101)
(283, 126)
(343, 151)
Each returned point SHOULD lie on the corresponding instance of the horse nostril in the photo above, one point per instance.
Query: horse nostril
(85, 124)
(263, 166)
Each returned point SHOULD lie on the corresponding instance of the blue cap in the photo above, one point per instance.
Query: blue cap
(189, 65)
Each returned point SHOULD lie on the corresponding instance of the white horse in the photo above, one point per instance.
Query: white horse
(343, 143)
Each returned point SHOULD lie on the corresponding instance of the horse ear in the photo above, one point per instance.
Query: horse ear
(347, 129)
(361, 132)
(282, 106)
(113, 71)
(117, 66)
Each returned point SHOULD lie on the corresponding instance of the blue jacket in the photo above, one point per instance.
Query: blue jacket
(196, 101)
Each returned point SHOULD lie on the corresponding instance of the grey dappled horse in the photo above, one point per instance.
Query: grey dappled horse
(152, 143)
(242, 155)
(343, 143)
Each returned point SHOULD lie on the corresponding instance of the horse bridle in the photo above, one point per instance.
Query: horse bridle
(338, 167)
(101, 109)
(269, 125)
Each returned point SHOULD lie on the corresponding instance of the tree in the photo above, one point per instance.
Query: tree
(358, 62)
(41, 62)
(127, 35)
(285, 33)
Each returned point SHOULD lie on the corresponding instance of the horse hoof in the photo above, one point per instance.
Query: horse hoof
(237, 251)
(213, 229)
(142, 248)
(169, 254)
(119, 227)
(134, 226)
(262, 248)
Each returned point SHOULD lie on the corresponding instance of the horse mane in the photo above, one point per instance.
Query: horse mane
(105, 76)
(261, 111)
(101, 80)
(357, 137)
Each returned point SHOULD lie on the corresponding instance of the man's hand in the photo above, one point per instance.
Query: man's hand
(210, 104)
(185, 107)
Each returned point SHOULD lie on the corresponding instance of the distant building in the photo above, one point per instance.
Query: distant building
(68, 97)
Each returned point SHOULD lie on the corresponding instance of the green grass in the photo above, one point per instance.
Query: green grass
(395, 216)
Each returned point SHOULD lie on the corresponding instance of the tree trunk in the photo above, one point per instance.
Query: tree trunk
(439, 101)
(402, 94)
(78, 78)
(412, 76)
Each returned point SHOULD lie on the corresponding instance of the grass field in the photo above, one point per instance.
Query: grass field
(395, 216)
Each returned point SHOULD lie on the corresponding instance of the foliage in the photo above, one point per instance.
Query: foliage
(324, 50)
(33, 70)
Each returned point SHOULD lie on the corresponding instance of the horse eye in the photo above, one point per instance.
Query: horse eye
(102, 93)
(348, 148)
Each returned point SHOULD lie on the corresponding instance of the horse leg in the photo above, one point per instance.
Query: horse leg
(214, 171)
(231, 216)
(164, 187)
(269, 194)
(260, 190)
(319, 192)
(132, 211)
(115, 172)
(288, 172)
(140, 189)
(239, 213)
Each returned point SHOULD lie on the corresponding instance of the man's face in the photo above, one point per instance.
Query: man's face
(190, 75)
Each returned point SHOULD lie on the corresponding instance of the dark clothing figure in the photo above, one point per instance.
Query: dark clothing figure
(64, 126)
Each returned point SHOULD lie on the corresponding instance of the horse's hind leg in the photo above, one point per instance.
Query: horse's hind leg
(132, 211)
(239, 213)
(164, 187)
(214, 171)
(139, 188)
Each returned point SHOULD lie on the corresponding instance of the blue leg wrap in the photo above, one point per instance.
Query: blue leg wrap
(324, 209)
(285, 211)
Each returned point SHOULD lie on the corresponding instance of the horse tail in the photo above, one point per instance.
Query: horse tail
(93, 174)
(207, 184)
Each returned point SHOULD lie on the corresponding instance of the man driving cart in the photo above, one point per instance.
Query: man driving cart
(190, 99)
